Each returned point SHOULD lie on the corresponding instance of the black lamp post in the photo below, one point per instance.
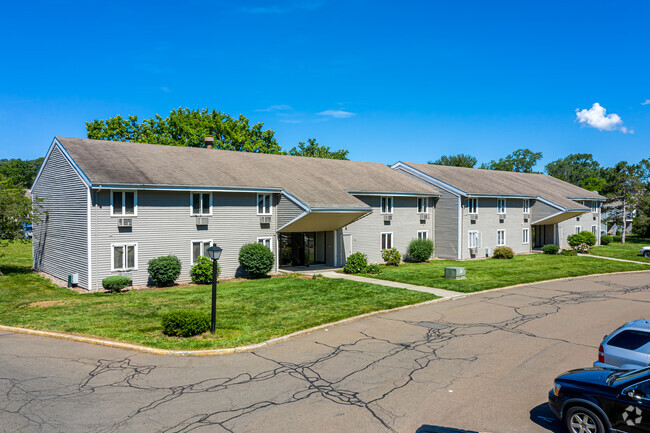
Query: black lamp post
(214, 252)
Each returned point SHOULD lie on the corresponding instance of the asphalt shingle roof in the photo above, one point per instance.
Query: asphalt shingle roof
(319, 183)
(476, 181)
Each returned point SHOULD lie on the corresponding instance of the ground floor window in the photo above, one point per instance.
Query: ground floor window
(124, 257)
(266, 242)
(200, 249)
(423, 234)
(594, 230)
(525, 236)
(501, 238)
(386, 241)
(473, 239)
(578, 229)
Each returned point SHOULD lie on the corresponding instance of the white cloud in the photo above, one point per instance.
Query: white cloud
(596, 117)
(337, 114)
(280, 107)
(646, 102)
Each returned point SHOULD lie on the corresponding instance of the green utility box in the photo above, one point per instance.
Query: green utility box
(455, 273)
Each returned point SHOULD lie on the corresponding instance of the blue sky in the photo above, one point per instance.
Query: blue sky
(387, 80)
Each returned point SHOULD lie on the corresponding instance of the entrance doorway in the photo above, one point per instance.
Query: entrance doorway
(302, 248)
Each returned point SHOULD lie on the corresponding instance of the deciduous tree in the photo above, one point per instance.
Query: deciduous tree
(460, 160)
(521, 160)
(315, 150)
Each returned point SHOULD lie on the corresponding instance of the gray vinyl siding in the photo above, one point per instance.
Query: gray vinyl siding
(488, 223)
(287, 210)
(164, 226)
(60, 240)
(584, 221)
(540, 210)
(446, 226)
(366, 232)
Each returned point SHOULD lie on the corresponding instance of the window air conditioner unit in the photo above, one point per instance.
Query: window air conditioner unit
(424, 216)
(388, 217)
(125, 222)
(473, 217)
(202, 221)
(265, 220)
(577, 218)
(473, 251)
(502, 216)
(526, 215)
(594, 217)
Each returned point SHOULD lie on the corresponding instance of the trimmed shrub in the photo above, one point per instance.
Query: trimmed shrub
(420, 250)
(550, 249)
(372, 269)
(503, 253)
(617, 238)
(355, 263)
(116, 283)
(201, 272)
(583, 237)
(391, 256)
(568, 253)
(605, 239)
(185, 323)
(256, 259)
(164, 270)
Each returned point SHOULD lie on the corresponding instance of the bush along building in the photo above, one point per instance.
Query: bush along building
(113, 206)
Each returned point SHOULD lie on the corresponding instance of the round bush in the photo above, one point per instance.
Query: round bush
(355, 263)
(420, 250)
(164, 270)
(116, 283)
(583, 237)
(605, 239)
(391, 256)
(185, 323)
(550, 249)
(201, 272)
(372, 269)
(256, 259)
(503, 253)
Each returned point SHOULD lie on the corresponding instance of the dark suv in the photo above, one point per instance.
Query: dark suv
(596, 400)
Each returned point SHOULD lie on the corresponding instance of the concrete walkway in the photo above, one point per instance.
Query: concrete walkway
(438, 292)
(613, 258)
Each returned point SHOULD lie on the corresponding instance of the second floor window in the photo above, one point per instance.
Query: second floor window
(526, 206)
(387, 205)
(501, 205)
(123, 203)
(201, 203)
(423, 205)
(264, 204)
(472, 205)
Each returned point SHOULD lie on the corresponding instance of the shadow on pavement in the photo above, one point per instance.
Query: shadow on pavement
(543, 417)
(425, 428)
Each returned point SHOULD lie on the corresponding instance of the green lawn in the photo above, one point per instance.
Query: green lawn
(628, 251)
(248, 312)
(492, 273)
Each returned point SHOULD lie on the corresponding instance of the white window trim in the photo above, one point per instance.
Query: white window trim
(270, 239)
(577, 230)
(257, 200)
(381, 238)
(210, 241)
(381, 207)
(469, 239)
(502, 200)
(526, 206)
(594, 230)
(504, 238)
(200, 214)
(469, 206)
(527, 231)
(426, 204)
(135, 258)
(135, 203)
(426, 234)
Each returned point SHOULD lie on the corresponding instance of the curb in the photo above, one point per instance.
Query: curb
(273, 341)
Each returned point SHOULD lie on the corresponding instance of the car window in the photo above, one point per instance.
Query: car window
(630, 339)
(644, 387)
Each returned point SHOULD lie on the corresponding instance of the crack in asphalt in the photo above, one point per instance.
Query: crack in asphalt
(366, 356)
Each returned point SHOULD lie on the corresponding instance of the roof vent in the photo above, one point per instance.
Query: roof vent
(209, 141)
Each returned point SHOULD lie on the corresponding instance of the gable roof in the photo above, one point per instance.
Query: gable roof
(317, 183)
(479, 182)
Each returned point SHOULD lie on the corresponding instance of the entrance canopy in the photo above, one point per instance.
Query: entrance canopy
(558, 217)
(323, 221)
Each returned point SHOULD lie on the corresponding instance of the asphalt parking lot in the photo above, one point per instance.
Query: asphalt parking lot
(481, 363)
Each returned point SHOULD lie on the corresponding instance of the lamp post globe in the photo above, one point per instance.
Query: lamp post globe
(214, 252)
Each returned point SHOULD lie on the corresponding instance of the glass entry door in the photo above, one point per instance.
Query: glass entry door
(302, 249)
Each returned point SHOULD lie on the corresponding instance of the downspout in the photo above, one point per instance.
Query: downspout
(460, 228)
